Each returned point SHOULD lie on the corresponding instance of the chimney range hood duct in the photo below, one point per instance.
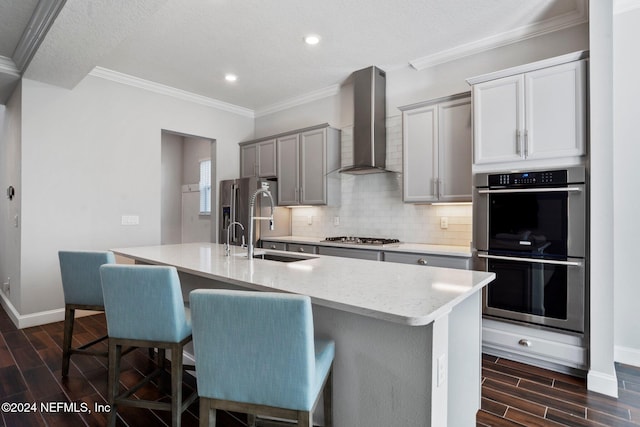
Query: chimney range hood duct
(369, 115)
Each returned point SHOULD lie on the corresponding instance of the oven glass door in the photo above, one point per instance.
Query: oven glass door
(549, 293)
(529, 223)
(538, 289)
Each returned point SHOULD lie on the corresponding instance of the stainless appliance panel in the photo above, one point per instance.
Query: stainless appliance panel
(530, 229)
(234, 207)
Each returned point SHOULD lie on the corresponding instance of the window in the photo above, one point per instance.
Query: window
(205, 187)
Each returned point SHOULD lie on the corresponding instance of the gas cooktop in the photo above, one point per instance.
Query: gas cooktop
(362, 240)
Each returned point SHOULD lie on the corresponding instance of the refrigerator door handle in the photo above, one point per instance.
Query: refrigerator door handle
(234, 201)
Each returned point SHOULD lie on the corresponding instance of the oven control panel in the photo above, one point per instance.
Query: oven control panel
(528, 178)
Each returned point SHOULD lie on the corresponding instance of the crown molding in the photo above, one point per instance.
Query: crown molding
(299, 100)
(578, 16)
(139, 83)
(7, 66)
(43, 16)
(622, 6)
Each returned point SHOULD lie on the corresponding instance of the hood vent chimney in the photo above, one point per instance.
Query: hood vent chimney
(369, 116)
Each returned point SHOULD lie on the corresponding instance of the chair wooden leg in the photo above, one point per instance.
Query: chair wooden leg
(162, 364)
(305, 419)
(251, 420)
(176, 385)
(207, 413)
(327, 397)
(113, 382)
(69, 314)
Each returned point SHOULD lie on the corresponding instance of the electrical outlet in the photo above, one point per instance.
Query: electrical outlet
(6, 286)
(444, 222)
(442, 369)
(309, 220)
(336, 220)
(130, 220)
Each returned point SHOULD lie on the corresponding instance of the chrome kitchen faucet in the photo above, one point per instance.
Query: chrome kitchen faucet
(227, 248)
(252, 207)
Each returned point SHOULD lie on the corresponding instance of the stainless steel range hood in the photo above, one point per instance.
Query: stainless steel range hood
(369, 115)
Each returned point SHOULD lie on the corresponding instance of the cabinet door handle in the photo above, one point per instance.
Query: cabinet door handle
(422, 261)
(300, 249)
(273, 246)
(524, 342)
(526, 143)
(520, 150)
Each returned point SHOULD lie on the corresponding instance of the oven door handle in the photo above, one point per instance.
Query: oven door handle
(533, 190)
(536, 260)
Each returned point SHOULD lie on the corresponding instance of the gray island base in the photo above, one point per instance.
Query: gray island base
(408, 338)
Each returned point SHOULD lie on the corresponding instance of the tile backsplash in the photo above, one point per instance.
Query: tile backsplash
(372, 206)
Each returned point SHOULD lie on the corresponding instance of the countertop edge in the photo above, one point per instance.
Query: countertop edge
(390, 316)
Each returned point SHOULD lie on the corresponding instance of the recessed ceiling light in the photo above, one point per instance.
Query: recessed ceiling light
(312, 39)
(230, 77)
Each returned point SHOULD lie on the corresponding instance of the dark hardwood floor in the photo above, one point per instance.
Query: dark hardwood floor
(513, 394)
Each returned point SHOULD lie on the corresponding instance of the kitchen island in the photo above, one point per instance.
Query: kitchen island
(408, 338)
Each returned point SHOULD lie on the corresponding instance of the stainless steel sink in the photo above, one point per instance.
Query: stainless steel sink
(280, 257)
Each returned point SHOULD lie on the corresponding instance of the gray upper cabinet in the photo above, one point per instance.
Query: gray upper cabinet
(303, 161)
(532, 115)
(288, 155)
(258, 159)
(437, 150)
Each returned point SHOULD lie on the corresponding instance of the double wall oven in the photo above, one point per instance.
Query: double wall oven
(530, 229)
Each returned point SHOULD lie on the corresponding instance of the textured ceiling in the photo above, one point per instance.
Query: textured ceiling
(191, 44)
(14, 18)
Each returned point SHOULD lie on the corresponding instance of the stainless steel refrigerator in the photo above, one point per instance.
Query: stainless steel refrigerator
(234, 206)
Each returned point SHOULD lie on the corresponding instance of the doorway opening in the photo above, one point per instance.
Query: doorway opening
(183, 219)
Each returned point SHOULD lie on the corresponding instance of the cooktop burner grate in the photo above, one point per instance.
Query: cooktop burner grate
(362, 240)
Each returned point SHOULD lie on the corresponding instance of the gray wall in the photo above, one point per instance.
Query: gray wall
(171, 193)
(99, 147)
(10, 174)
(626, 204)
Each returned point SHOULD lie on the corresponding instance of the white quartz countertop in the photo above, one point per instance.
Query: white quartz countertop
(400, 293)
(420, 248)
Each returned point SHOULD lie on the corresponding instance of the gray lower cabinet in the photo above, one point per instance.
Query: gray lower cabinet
(350, 253)
(530, 345)
(428, 260)
(279, 246)
(307, 249)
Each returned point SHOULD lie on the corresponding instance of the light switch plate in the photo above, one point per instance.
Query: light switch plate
(130, 220)
(444, 222)
(442, 369)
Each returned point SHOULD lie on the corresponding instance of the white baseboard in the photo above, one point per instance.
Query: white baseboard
(626, 355)
(28, 320)
(602, 383)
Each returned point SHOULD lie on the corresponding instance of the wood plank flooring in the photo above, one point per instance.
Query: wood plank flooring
(513, 394)
(30, 372)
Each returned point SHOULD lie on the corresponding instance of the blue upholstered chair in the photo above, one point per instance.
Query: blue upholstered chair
(256, 353)
(82, 291)
(144, 308)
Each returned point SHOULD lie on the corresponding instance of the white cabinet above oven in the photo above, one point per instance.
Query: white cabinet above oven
(530, 113)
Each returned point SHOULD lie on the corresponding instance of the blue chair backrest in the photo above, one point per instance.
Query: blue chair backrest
(254, 347)
(144, 302)
(80, 272)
